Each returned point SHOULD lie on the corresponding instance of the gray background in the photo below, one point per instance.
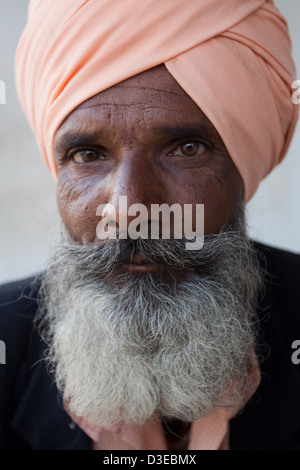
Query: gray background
(28, 214)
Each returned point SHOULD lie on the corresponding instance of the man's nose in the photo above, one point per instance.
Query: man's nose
(134, 187)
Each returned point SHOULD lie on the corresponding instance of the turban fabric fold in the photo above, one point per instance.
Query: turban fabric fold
(232, 57)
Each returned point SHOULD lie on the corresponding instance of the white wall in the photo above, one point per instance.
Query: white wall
(274, 211)
(27, 192)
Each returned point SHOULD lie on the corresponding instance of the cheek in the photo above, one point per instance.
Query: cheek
(77, 206)
(219, 190)
(224, 196)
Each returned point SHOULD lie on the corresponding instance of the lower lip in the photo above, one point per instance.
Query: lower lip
(140, 268)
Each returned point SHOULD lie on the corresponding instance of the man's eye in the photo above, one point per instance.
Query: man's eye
(86, 156)
(189, 149)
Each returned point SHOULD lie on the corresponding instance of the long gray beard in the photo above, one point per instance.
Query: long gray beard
(124, 347)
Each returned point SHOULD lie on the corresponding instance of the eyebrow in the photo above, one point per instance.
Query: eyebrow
(188, 130)
(76, 139)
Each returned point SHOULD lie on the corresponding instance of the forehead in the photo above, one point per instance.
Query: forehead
(148, 85)
(150, 99)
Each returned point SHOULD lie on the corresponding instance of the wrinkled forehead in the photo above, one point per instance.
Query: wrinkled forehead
(151, 85)
(153, 95)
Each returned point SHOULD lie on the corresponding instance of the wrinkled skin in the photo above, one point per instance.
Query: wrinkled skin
(144, 138)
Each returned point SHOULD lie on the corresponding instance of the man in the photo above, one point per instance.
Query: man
(153, 345)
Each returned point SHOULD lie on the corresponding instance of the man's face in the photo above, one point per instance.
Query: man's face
(171, 337)
(145, 139)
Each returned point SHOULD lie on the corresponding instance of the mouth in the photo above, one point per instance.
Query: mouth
(138, 264)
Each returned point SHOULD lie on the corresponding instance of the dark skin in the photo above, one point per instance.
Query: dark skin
(144, 138)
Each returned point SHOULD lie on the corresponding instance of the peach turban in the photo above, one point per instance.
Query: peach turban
(233, 58)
